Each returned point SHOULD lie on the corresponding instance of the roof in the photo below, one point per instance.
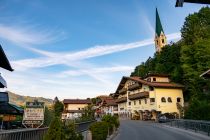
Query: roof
(157, 75)
(206, 74)
(77, 101)
(159, 27)
(153, 84)
(4, 62)
(110, 102)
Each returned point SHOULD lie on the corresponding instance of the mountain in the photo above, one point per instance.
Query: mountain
(20, 100)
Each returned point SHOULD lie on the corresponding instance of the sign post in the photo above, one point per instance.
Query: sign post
(33, 114)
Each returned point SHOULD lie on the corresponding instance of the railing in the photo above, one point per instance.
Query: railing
(36, 133)
(24, 134)
(194, 125)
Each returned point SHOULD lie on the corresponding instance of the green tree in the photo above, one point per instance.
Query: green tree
(48, 116)
(55, 131)
(58, 108)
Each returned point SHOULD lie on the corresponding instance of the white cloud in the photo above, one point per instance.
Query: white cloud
(23, 35)
(102, 70)
(66, 58)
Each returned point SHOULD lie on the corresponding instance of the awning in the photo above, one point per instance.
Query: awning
(4, 62)
(7, 108)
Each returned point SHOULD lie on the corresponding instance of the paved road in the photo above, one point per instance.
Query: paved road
(141, 130)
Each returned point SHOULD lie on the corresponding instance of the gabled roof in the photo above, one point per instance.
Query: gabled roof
(4, 62)
(77, 101)
(159, 27)
(110, 102)
(153, 84)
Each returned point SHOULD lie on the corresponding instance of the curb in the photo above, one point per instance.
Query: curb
(201, 135)
(111, 137)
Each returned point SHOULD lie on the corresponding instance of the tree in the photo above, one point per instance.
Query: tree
(58, 108)
(48, 116)
(55, 131)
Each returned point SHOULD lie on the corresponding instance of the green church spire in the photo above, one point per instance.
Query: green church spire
(159, 27)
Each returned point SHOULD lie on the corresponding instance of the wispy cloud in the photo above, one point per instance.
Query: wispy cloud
(25, 35)
(50, 58)
(101, 70)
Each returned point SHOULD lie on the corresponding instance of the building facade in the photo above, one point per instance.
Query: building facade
(73, 108)
(149, 97)
(107, 105)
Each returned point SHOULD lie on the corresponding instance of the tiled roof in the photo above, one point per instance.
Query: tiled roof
(139, 95)
(110, 102)
(157, 84)
(77, 101)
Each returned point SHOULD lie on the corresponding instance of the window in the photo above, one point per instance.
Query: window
(154, 79)
(139, 101)
(163, 41)
(78, 108)
(157, 41)
(178, 100)
(149, 79)
(163, 99)
(129, 103)
(4, 97)
(151, 88)
(152, 100)
(145, 101)
(169, 100)
(134, 102)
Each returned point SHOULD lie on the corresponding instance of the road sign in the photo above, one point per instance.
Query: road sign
(33, 114)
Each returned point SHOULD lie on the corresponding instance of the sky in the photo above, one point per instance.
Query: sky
(81, 48)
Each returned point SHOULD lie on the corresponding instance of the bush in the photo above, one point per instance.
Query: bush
(99, 130)
(112, 121)
(70, 131)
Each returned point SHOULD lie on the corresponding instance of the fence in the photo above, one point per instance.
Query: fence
(194, 125)
(36, 133)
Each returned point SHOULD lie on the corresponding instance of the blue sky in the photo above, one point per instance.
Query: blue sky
(81, 48)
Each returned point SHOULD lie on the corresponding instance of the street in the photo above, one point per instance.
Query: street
(142, 130)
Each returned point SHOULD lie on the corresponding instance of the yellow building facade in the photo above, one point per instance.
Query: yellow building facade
(73, 108)
(149, 97)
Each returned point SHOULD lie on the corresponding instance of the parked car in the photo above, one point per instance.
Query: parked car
(163, 119)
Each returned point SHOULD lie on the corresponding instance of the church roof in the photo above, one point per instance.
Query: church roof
(159, 27)
(4, 62)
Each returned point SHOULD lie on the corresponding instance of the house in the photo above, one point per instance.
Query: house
(106, 105)
(109, 106)
(149, 97)
(73, 108)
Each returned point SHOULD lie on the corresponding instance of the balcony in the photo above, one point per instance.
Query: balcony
(121, 100)
(134, 86)
(123, 90)
(139, 95)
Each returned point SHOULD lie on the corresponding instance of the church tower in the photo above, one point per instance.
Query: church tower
(160, 38)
